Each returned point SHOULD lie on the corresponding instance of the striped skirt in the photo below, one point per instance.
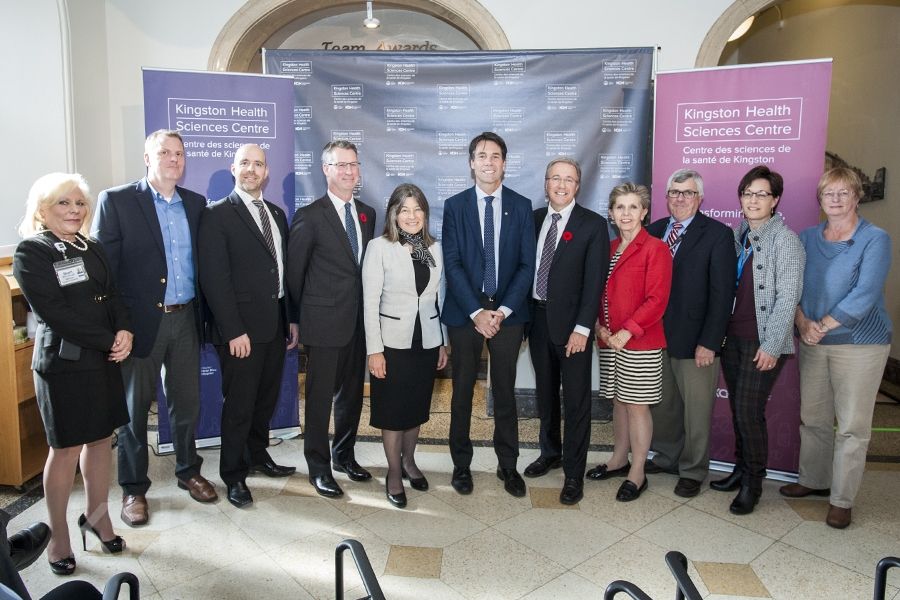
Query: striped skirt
(631, 376)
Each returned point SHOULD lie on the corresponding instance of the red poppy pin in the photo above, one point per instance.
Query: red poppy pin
(362, 217)
(567, 235)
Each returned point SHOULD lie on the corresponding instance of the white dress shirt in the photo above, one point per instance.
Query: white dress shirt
(276, 232)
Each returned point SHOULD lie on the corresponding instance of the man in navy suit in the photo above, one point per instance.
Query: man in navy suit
(703, 272)
(243, 244)
(149, 232)
(488, 243)
(326, 247)
(572, 258)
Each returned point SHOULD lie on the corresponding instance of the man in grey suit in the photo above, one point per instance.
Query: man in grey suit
(703, 273)
(149, 232)
(326, 245)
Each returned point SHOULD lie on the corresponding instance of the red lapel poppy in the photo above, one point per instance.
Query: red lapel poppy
(567, 236)
(362, 217)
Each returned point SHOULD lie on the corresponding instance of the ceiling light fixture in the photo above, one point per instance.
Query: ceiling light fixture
(370, 21)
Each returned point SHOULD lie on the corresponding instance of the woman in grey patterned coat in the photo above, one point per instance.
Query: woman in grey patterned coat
(760, 334)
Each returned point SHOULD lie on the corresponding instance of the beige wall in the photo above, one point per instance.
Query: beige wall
(864, 122)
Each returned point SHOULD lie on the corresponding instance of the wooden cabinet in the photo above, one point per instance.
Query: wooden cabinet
(23, 443)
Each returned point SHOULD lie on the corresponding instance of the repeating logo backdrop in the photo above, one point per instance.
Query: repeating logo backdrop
(412, 115)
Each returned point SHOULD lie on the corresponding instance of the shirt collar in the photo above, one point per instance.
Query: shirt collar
(497, 195)
(157, 195)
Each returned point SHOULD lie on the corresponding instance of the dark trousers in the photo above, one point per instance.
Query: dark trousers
(250, 387)
(504, 352)
(748, 392)
(551, 366)
(334, 374)
(177, 348)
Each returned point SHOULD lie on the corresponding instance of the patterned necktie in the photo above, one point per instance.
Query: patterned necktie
(490, 269)
(547, 258)
(351, 231)
(266, 227)
(672, 240)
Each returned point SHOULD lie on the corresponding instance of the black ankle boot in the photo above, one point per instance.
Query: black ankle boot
(744, 502)
(728, 484)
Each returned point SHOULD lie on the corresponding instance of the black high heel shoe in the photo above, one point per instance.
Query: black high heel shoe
(417, 483)
(113, 546)
(63, 566)
(398, 500)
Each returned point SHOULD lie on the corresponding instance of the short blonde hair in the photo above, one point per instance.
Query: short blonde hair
(45, 192)
(840, 175)
(630, 187)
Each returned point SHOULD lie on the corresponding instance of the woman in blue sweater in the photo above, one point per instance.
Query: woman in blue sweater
(845, 336)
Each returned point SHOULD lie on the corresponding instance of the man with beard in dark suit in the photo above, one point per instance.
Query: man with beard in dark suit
(326, 245)
(572, 258)
(243, 244)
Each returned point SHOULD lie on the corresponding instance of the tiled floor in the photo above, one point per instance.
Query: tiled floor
(488, 545)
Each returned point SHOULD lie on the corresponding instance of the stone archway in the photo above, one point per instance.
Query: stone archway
(717, 36)
(246, 31)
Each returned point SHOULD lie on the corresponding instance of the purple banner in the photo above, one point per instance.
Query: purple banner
(216, 113)
(722, 122)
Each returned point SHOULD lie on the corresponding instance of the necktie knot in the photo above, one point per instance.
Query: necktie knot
(556, 217)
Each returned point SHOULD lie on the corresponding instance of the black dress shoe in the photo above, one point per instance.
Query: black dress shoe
(744, 502)
(572, 492)
(542, 465)
(326, 485)
(728, 484)
(239, 495)
(398, 500)
(27, 545)
(628, 491)
(687, 488)
(270, 469)
(462, 480)
(352, 470)
(512, 481)
(417, 483)
(601, 472)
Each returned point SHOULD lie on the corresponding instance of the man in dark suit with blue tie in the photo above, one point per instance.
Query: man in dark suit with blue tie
(326, 246)
(243, 244)
(488, 243)
(572, 258)
(703, 272)
(149, 232)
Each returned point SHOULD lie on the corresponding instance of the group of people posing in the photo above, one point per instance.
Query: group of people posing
(133, 289)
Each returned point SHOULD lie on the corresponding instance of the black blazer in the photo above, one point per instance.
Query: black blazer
(577, 274)
(703, 275)
(127, 226)
(72, 313)
(238, 274)
(324, 279)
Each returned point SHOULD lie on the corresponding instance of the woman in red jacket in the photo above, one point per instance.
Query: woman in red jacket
(630, 336)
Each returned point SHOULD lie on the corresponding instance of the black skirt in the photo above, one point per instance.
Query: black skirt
(81, 407)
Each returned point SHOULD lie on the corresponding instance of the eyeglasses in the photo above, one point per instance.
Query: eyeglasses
(344, 165)
(686, 194)
(831, 195)
(556, 179)
(747, 194)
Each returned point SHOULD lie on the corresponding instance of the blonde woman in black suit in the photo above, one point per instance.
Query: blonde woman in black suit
(83, 334)
(403, 289)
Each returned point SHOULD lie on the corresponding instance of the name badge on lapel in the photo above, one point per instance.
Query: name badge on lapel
(70, 271)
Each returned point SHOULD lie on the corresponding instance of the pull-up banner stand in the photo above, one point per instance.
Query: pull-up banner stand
(216, 113)
(722, 122)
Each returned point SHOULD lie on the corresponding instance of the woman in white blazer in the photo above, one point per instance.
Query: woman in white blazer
(403, 291)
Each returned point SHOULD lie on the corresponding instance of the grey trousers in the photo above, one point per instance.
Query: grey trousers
(681, 421)
(839, 381)
(177, 350)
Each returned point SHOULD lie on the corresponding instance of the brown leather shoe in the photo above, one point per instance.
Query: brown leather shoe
(795, 490)
(837, 517)
(199, 488)
(134, 510)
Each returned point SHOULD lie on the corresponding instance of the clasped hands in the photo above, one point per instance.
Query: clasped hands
(616, 340)
(487, 322)
(121, 347)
